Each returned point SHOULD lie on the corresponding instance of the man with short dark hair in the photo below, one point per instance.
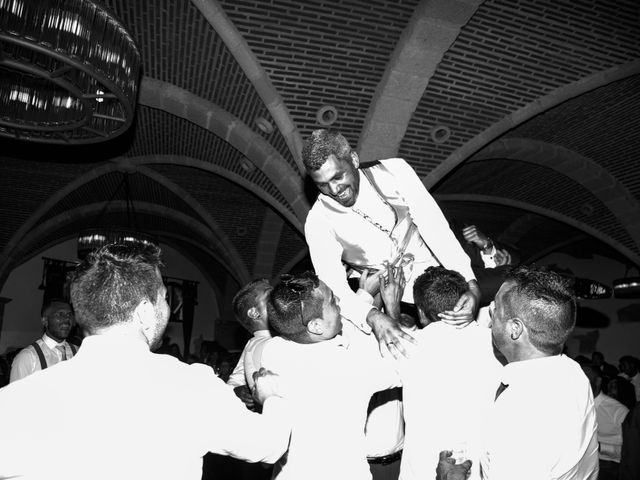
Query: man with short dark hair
(449, 382)
(543, 422)
(329, 378)
(630, 370)
(142, 415)
(250, 309)
(58, 320)
(367, 217)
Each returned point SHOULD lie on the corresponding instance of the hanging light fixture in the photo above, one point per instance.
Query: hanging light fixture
(69, 72)
(94, 238)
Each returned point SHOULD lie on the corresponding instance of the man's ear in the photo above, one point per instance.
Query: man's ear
(44, 321)
(144, 314)
(253, 313)
(515, 328)
(355, 159)
(424, 320)
(315, 326)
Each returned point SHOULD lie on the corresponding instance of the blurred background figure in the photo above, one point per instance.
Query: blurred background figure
(610, 414)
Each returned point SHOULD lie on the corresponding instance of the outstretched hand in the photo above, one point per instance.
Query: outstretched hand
(474, 235)
(391, 339)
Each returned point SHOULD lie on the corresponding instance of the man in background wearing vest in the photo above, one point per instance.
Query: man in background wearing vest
(52, 347)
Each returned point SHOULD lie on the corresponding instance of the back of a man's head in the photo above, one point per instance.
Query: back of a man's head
(292, 304)
(545, 302)
(245, 303)
(320, 145)
(437, 290)
(111, 282)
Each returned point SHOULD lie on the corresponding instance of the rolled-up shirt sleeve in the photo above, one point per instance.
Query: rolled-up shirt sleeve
(326, 255)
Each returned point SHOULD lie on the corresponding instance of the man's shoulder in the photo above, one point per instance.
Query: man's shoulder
(26, 353)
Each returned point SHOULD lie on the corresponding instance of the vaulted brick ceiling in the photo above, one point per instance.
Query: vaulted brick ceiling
(520, 116)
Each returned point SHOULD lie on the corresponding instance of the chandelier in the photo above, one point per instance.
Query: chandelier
(93, 238)
(69, 72)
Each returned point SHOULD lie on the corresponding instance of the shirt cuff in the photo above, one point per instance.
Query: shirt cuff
(365, 296)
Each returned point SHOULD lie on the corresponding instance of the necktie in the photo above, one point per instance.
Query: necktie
(63, 352)
(501, 389)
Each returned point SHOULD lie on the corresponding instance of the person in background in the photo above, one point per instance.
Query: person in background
(610, 414)
(630, 370)
(608, 371)
(629, 458)
(52, 348)
(144, 415)
(250, 309)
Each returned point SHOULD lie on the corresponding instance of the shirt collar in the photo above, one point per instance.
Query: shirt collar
(599, 399)
(515, 372)
(51, 343)
(262, 334)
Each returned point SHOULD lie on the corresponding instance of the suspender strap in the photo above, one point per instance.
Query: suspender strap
(43, 362)
(74, 349)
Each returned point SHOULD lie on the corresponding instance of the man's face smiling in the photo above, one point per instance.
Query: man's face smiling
(339, 179)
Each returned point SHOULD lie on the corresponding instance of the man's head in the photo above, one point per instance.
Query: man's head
(437, 290)
(533, 314)
(303, 309)
(332, 166)
(120, 284)
(628, 365)
(597, 359)
(250, 305)
(595, 378)
(57, 319)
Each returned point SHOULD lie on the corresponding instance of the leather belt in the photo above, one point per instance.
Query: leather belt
(387, 459)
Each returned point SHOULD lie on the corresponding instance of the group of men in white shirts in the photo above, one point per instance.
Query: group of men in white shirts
(531, 418)
(118, 410)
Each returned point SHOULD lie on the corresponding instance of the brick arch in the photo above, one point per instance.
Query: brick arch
(250, 64)
(580, 169)
(19, 237)
(183, 104)
(634, 257)
(234, 264)
(433, 28)
(527, 112)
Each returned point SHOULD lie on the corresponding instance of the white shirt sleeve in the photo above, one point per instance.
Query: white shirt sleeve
(326, 256)
(432, 224)
(24, 364)
(236, 431)
(237, 378)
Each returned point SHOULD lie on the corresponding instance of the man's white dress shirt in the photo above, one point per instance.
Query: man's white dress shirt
(250, 360)
(27, 361)
(610, 414)
(328, 385)
(449, 385)
(118, 411)
(543, 426)
(329, 223)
